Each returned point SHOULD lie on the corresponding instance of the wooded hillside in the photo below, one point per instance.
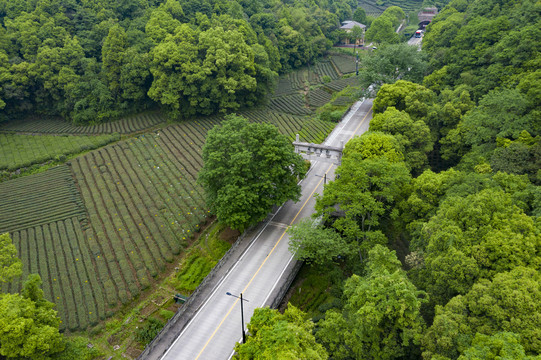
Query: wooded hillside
(92, 61)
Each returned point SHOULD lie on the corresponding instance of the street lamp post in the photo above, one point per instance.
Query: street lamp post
(241, 314)
(356, 63)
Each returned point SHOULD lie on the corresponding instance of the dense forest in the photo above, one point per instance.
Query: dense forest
(92, 61)
(430, 240)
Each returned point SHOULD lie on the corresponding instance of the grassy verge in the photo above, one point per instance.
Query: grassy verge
(199, 260)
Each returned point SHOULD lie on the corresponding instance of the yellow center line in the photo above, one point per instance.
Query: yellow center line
(257, 272)
(275, 245)
(362, 122)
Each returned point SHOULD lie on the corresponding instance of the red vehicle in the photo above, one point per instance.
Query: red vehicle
(418, 33)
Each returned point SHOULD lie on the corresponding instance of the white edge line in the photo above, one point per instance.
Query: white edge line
(220, 283)
(269, 294)
(344, 121)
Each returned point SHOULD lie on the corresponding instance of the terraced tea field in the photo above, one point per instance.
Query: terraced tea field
(375, 8)
(39, 199)
(326, 68)
(300, 92)
(17, 151)
(341, 84)
(309, 129)
(319, 97)
(292, 104)
(344, 63)
(127, 125)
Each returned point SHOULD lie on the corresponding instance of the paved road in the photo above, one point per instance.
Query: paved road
(214, 330)
(415, 41)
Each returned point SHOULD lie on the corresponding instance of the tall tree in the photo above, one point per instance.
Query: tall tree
(315, 244)
(381, 318)
(112, 55)
(280, 336)
(414, 136)
(28, 324)
(363, 195)
(203, 72)
(401, 95)
(382, 31)
(374, 144)
(502, 345)
(510, 302)
(248, 168)
(360, 15)
(391, 63)
(472, 237)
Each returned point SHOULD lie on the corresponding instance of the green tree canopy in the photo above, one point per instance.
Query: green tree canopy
(510, 302)
(113, 50)
(502, 345)
(360, 15)
(89, 61)
(28, 324)
(399, 95)
(206, 71)
(248, 168)
(363, 194)
(380, 319)
(391, 63)
(374, 144)
(10, 265)
(472, 237)
(382, 29)
(280, 336)
(356, 34)
(315, 244)
(428, 189)
(502, 113)
(413, 136)
(505, 34)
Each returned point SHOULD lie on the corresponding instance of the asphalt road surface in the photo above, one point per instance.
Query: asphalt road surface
(214, 330)
(415, 41)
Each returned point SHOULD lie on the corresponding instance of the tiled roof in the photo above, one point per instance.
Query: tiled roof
(350, 24)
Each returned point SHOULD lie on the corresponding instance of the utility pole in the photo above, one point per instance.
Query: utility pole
(356, 63)
(241, 314)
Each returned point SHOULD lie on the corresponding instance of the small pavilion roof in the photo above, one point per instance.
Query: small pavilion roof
(350, 24)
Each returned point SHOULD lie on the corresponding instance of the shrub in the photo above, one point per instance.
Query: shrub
(331, 115)
(194, 272)
(166, 314)
(60, 158)
(147, 332)
(336, 115)
(77, 348)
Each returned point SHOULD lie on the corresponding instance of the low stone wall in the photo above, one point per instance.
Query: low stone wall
(281, 293)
